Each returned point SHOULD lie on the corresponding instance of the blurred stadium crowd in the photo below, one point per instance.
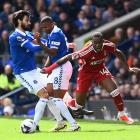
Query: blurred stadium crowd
(75, 17)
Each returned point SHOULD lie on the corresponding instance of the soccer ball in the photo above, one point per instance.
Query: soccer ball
(28, 126)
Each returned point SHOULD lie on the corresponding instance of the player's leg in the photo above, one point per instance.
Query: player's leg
(61, 77)
(35, 82)
(108, 83)
(51, 104)
(39, 110)
(40, 107)
(34, 87)
(41, 104)
(55, 110)
(83, 83)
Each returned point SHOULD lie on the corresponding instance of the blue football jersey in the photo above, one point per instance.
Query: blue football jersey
(57, 39)
(23, 51)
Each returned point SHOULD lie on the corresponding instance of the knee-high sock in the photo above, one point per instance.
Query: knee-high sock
(64, 110)
(39, 110)
(117, 100)
(54, 110)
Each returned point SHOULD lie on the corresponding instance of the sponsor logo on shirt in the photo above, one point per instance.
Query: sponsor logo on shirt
(55, 43)
(97, 62)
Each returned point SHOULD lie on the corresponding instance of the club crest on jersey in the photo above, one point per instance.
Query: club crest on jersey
(27, 50)
(35, 82)
(19, 38)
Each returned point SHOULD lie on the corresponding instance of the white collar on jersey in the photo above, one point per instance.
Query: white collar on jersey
(21, 32)
(55, 29)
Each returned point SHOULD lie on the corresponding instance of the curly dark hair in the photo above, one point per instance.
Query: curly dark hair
(19, 15)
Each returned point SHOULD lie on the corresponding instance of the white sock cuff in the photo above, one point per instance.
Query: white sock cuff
(57, 99)
(43, 100)
(115, 92)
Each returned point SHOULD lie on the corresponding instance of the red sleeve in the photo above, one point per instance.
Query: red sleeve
(109, 46)
(83, 52)
(75, 55)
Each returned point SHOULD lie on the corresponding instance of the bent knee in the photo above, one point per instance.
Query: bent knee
(59, 93)
(43, 93)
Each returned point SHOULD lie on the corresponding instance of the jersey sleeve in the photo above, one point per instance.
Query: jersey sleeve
(84, 52)
(25, 43)
(75, 55)
(109, 46)
(30, 35)
(44, 41)
(55, 41)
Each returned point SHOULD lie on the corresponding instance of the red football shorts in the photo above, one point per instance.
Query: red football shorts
(85, 79)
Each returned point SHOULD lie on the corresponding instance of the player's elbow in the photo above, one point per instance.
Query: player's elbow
(53, 54)
(118, 53)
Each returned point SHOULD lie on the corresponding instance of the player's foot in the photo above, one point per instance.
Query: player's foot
(37, 128)
(75, 127)
(59, 126)
(82, 111)
(125, 118)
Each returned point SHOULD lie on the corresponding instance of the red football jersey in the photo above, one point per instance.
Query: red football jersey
(92, 61)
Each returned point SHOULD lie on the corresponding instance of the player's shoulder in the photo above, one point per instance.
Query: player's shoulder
(13, 36)
(88, 44)
(16, 37)
(87, 48)
(29, 33)
(57, 32)
(108, 43)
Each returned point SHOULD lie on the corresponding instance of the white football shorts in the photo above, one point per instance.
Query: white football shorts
(33, 80)
(60, 76)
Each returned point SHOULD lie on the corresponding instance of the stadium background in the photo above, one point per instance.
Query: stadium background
(76, 18)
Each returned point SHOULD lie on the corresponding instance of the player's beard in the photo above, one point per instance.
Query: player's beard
(26, 28)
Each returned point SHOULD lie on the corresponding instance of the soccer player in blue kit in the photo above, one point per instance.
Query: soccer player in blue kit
(23, 49)
(58, 81)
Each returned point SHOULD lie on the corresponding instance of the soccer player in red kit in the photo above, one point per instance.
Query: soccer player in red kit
(93, 67)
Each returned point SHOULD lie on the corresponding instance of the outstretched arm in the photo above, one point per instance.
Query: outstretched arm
(61, 61)
(64, 59)
(122, 58)
(47, 62)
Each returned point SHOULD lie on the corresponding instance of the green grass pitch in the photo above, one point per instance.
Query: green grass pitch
(90, 130)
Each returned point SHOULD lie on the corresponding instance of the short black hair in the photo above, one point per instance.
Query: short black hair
(47, 19)
(97, 35)
(19, 15)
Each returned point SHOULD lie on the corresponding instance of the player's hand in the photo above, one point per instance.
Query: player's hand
(34, 41)
(46, 70)
(134, 69)
(72, 45)
(37, 36)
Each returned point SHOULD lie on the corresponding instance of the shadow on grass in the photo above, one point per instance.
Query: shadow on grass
(107, 122)
(103, 131)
